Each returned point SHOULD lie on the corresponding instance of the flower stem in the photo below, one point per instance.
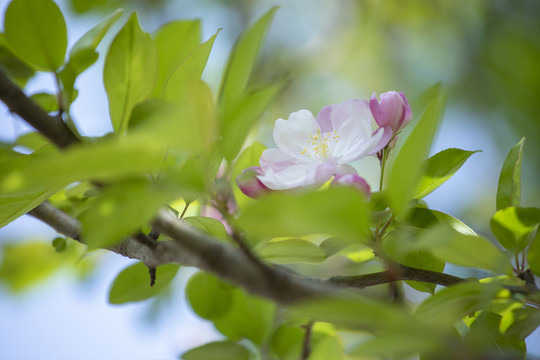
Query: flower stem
(383, 165)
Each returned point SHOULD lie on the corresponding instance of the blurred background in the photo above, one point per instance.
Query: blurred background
(485, 52)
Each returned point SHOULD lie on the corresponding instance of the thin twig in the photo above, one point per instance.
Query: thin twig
(306, 344)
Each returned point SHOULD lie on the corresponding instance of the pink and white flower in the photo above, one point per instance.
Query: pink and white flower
(311, 150)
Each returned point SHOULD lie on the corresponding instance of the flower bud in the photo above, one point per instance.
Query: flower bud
(353, 180)
(249, 184)
(393, 109)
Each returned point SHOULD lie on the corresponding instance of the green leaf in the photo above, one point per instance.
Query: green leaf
(534, 254)
(451, 304)
(249, 317)
(219, 350)
(242, 60)
(208, 225)
(209, 297)
(104, 160)
(174, 41)
(238, 121)
(291, 251)
(48, 102)
(19, 71)
(339, 211)
(32, 140)
(17, 203)
(509, 190)
(486, 338)
(286, 342)
(407, 168)
(179, 85)
(525, 321)
(395, 346)
(329, 348)
(133, 283)
(36, 31)
(426, 218)
(130, 71)
(439, 168)
(513, 227)
(121, 209)
(92, 38)
(466, 250)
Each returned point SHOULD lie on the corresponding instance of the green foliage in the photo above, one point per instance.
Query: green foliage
(19, 71)
(509, 190)
(408, 165)
(36, 31)
(223, 350)
(439, 168)
(513, 227)
(133, 283)
(534, 254)
(130, 71)
(209, 297)
(248, 317)
(339, 211)
(208, 225)
(291, 251)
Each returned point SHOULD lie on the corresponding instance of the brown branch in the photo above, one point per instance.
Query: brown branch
(51, 127)
(402, 272)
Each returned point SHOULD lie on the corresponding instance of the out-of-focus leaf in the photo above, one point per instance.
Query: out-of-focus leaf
(291, 251)
(248, 317)
(19, 71)
(174, 41)
(59, 244)
(339, 211)
(407, 169)
(242, 60)
(328, 348)
(36, 31)
(121, 209)
(395, 346)
(133, 283)
(32, 140)
(439, 168)
(509, 190)
(209, 297)
(287, 341)
(450, 304)
(48, 102)
(104, 160)
(238, 120)
(423, 260)
(534, 255)
(222, 350)
(513, 227)
(14, 204)
(26, 264)
(209, 226)
(130, 71)
(485, 338)
(525, 321)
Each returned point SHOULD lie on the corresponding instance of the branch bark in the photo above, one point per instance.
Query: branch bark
(51, 127)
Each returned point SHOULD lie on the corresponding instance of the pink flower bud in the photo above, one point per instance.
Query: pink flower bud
(249, 183)
(392, 110)
(353, 180)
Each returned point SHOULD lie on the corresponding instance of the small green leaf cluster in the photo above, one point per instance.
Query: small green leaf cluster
(177, 145)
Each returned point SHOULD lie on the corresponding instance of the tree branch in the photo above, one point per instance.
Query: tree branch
(193, 248)
(51, 127)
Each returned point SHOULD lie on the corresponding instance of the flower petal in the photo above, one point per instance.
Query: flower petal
(384, 139)
(292, 135)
